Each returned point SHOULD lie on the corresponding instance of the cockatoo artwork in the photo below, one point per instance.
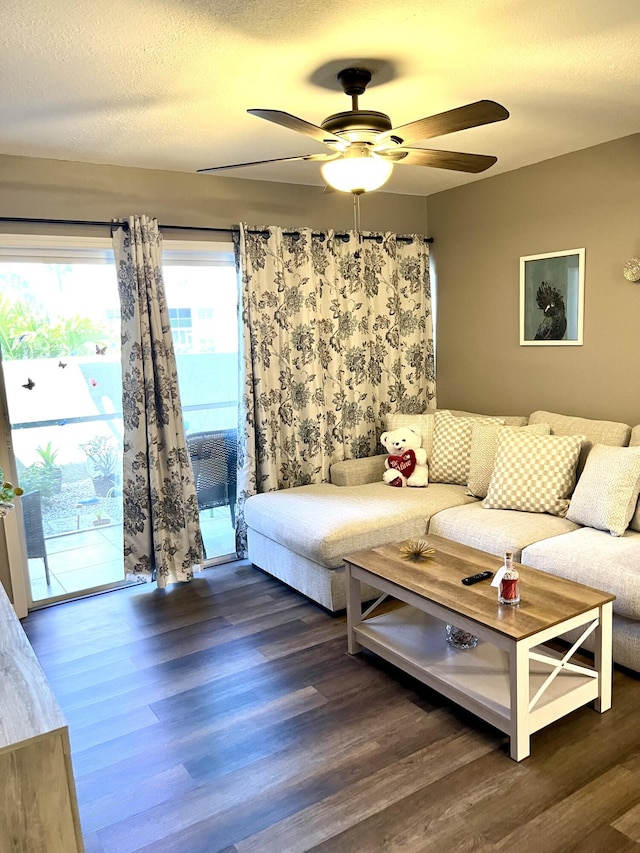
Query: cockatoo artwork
(554, 323)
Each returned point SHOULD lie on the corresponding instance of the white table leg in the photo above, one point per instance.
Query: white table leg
(603, 658)
(519, 694)
(354, 609)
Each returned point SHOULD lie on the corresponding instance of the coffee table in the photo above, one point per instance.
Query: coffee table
(510, 679)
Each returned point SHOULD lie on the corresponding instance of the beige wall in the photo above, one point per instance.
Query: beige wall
(589, 199)
(59, 189)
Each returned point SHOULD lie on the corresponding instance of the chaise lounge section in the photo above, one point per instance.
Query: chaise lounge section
(300, 535)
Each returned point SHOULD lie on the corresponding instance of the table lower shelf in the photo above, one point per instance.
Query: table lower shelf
(478, 678)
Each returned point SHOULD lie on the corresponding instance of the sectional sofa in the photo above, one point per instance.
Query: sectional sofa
(560, 492)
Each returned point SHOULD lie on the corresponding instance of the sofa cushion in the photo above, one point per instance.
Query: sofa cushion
(533, 473)
(449, 462)
(420, 424)
(484, 441)
(324, 522)
(594, 558)
(499, 530)
(509, 420)
(606, 494)
(595, 431)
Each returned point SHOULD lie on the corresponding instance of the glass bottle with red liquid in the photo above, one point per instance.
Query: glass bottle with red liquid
(509, 589)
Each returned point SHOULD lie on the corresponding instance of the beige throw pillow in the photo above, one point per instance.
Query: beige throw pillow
(533, 473)
(484, 441)
(607, 491)
(449, 461)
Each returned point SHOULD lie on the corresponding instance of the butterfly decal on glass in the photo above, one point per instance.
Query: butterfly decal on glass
(62, 364)
(100, 350)
(29, 384)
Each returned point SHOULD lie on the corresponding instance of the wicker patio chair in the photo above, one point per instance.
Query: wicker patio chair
(214, 459)
(33, 530)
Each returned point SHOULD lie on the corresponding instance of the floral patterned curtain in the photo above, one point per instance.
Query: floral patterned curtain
(336, 332)
(162, 538)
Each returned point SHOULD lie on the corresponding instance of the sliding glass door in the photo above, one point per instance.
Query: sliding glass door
(60, 339)
(60, 342)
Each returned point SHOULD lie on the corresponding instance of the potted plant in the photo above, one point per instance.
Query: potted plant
(103, 463)
(100, 519)
(48, 456)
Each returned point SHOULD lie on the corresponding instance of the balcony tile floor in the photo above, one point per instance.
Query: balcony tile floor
(91, 559)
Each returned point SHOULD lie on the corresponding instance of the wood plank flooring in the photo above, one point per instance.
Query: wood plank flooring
(225, 716)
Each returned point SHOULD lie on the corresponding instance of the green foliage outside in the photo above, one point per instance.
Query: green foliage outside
(48, 455)
(39, 478)
(27, 332)
(44, 476)
(103, 458)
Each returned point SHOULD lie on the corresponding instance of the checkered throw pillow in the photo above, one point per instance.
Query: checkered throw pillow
(484, 441)
(533, 473)
(607, 491)
(449, 461)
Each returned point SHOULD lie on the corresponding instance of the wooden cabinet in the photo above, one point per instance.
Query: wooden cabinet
(38, 806)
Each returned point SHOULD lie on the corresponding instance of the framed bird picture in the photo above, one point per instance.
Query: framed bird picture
(552, 299)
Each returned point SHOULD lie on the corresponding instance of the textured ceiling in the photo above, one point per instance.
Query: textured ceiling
(166, 85)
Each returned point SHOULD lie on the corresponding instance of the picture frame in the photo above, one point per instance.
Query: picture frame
(552, 299)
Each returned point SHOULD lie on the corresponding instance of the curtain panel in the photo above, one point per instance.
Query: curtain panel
(336, 331)
(162, 538)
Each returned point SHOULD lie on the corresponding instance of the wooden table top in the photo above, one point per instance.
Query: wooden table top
(545, 601)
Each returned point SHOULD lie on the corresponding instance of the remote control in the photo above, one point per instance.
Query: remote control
(481, 576)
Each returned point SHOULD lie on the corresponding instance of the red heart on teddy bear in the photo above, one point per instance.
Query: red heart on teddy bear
(405, 463)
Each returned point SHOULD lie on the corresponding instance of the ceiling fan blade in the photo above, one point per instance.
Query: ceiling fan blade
(471, 115)
(322, 157)
(455, 160)
(301, 126)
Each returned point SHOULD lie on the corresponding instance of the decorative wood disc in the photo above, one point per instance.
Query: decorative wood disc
(631, 269)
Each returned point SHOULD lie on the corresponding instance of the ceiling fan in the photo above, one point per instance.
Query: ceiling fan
(364, 145)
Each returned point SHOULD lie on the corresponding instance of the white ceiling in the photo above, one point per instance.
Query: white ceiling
(165, 84)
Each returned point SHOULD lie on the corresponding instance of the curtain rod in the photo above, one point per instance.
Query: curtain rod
(122, 222)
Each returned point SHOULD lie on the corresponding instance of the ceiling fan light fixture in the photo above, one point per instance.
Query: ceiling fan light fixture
(365, 144)
(357, 174)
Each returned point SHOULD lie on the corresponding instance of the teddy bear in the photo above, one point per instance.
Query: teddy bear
(407, 460)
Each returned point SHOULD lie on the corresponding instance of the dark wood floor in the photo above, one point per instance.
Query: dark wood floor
(226, 715)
